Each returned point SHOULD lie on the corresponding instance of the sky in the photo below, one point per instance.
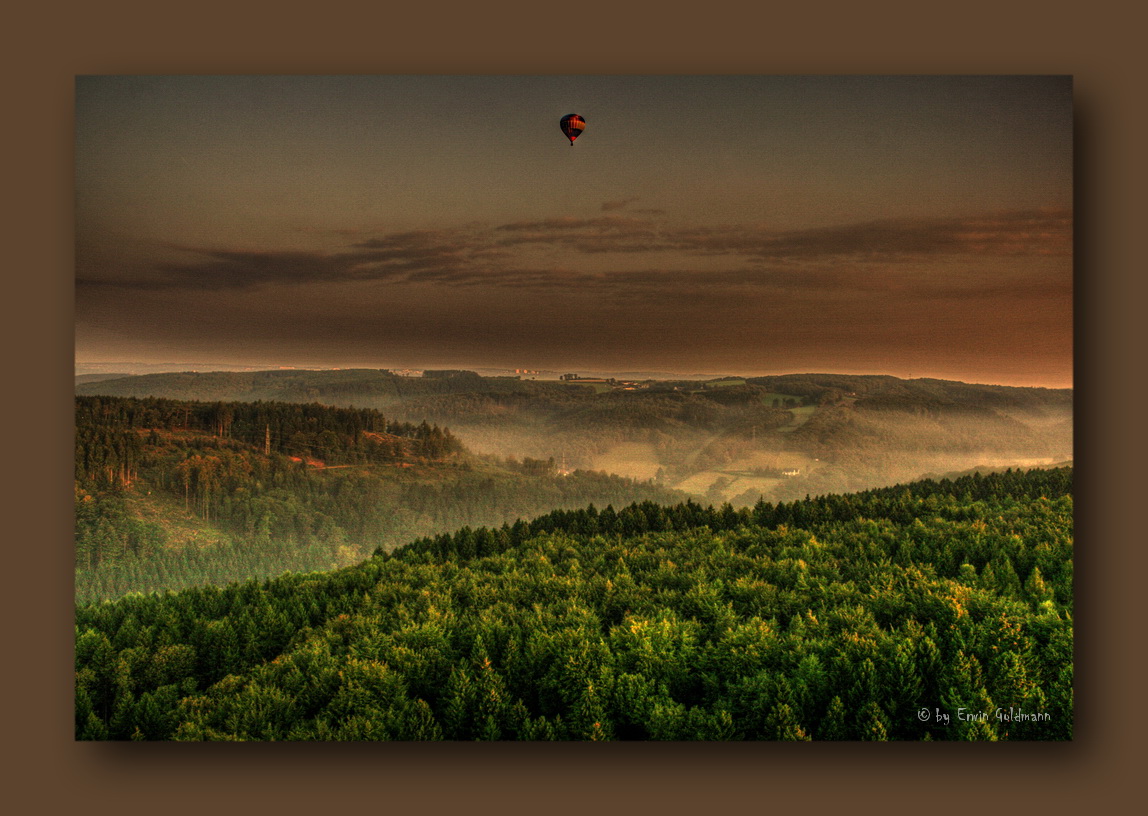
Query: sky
(914, 226)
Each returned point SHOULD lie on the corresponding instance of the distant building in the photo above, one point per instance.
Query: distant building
(790, 472)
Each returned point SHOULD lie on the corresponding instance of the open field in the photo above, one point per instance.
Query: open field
(181, 527)
(801, 415)
(739, 475)
(635, 460)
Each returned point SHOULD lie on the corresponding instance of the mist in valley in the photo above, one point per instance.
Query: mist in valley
(747, 442)
(717, 467)
(734, 440)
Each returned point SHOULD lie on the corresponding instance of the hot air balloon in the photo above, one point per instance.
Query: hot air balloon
(572, 125)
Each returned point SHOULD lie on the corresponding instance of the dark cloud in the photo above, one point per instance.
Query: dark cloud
(410, 256)
(233, 269)
(866, 256)
(1018, 233)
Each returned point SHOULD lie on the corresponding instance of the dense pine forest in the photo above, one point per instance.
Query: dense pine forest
(868, 616)
(179, 493)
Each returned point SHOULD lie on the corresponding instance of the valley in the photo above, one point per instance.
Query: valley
(777, 437)
(501, 559)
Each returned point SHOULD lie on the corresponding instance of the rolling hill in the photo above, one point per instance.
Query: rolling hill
(174, 493)
(729, 439)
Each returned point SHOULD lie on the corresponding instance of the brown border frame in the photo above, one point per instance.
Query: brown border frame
(48, 772)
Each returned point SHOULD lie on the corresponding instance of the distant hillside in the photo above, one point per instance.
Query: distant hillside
(885, 389)
(176, 493)
(94, 378)
(728, 439)
(929, 611)
(378, 387)
(130, 368)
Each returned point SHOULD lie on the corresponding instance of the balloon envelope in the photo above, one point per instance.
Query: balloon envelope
(572, 125)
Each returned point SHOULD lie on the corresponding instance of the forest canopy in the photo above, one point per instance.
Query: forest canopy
(841, 617)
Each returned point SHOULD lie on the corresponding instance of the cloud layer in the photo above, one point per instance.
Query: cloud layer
(629, 252)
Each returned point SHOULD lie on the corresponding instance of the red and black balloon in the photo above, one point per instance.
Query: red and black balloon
(572, 125)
